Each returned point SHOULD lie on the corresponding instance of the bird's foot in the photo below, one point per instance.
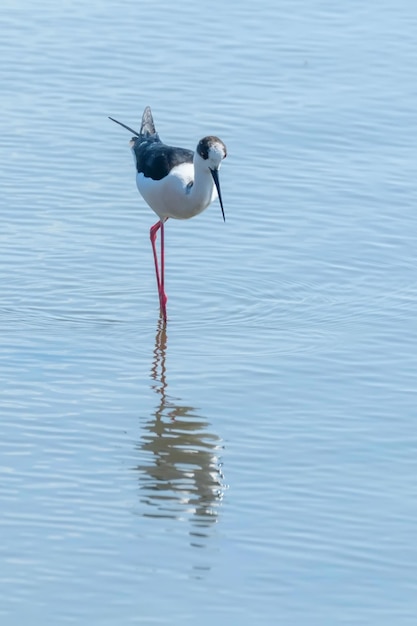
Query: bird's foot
(163, 305)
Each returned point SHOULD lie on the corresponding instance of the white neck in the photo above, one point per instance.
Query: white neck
(203, 191)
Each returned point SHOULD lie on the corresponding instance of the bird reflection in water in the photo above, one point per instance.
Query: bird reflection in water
(181, 477)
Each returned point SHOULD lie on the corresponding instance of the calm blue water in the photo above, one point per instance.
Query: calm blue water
(255, 461)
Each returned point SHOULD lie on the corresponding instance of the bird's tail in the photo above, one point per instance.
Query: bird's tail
(148, 127)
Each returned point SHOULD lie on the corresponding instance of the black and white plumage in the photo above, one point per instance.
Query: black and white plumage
(155, 159)
(175, 182)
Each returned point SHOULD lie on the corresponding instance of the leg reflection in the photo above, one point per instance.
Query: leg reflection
(180, 476)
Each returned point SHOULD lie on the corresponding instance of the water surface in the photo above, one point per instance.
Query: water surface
(253, 461)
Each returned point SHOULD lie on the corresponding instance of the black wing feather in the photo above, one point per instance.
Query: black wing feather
(155, 159)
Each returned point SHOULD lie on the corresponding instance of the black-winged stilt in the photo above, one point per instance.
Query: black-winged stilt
(175, 182)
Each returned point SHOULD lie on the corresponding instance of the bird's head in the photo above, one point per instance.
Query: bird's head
(212, 151)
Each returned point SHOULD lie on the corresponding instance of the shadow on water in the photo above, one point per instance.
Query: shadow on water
(182, 478)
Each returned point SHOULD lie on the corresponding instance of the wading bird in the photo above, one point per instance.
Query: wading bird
(175, 182)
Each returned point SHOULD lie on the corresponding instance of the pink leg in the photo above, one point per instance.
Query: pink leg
(152, 233)
(159, 276)
(163, 297)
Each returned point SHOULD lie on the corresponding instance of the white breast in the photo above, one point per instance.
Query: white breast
(168, 196)
(185, 192)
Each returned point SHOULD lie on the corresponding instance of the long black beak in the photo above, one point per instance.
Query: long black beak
(215, 174)
(124, 126)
